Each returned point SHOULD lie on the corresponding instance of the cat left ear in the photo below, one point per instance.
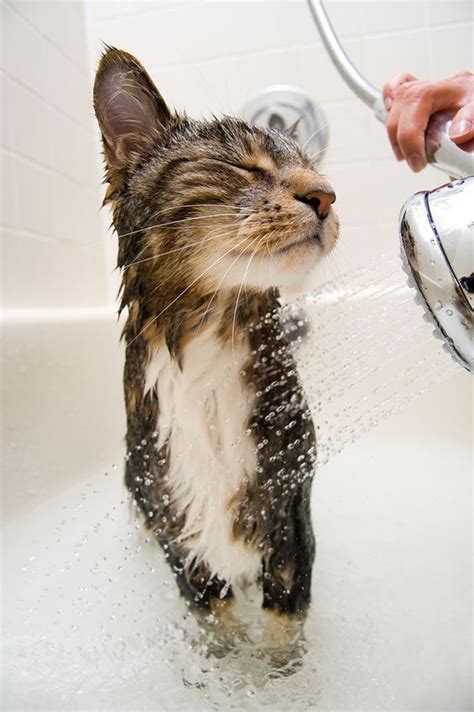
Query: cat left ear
(129, 108)
(291, 130)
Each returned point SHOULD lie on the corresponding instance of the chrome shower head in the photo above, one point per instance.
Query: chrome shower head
(437, 247)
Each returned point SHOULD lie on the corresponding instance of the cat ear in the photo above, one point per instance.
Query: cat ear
(291, 130)
(129, 108)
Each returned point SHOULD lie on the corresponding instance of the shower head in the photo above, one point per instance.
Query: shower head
(437, 248)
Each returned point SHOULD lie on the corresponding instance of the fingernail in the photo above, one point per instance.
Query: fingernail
(416, 162)
(388, 103)
(461, 127)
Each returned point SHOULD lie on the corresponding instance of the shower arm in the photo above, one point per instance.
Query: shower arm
(442, 153)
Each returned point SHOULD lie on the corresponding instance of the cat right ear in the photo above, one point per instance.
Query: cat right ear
(129, 108)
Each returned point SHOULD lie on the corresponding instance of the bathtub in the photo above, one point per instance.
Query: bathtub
(92, 619)
(91, 616)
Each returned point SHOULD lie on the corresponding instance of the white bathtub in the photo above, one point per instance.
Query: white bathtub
(92, 618)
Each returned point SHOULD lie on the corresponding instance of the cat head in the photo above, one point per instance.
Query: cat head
(214, 204)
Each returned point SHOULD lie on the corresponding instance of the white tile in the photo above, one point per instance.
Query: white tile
(100, 11)
(374, 191)
(431, 53)
(385, 56)
(365, 17)
(61, 22)
(33, 139)
(44, 69)
(49, 173)
(348, 126)
(36, 193)
(75, 211)
(359, 245)
(87, 228)
(10, 193)
(376, 140)
(225, 85)
(73, 151)
(65, 88)
(223, 29)
(17, 35)
(38, 273)
(317, 74)
(441, 12)
(49, 203)
(451, 49)
(52, 139)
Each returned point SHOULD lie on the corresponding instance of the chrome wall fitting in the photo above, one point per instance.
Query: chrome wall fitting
(283, 107)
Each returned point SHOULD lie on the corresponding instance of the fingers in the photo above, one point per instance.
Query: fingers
(414, 102)
(462, 128)
(391, 86)
(415, 109)
(391, 89)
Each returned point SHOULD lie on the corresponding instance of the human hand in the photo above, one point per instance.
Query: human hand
(411, 103)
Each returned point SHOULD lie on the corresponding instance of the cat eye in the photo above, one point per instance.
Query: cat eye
(255, 169)
(249, 169)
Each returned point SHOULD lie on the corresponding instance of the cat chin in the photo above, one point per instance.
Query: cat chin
(289, 270)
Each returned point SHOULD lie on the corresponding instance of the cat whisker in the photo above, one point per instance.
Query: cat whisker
(314, 155)
(242, 281)
(193, 205)
(315, 133)
(231, 209)
(100, 243)
(197, 243)
(177, 222)
(152, 321)
(218, 287)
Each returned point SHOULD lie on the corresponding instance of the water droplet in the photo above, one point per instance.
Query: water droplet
(224, 590)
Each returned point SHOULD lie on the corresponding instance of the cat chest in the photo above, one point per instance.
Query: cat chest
(204, 411)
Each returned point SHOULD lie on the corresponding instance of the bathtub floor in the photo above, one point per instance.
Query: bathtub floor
(92, 619)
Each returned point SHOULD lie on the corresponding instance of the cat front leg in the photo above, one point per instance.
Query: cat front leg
(212, 602)
(204, 593)
(287, 571)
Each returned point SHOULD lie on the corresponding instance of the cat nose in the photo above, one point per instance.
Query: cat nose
(319, 200)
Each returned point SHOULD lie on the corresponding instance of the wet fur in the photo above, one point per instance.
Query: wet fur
(212, 219)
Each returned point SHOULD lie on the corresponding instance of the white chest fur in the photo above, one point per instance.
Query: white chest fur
(204, 410)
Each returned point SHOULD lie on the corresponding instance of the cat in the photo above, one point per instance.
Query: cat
(213, 218)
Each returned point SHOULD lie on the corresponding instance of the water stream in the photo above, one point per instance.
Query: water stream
(94, 619)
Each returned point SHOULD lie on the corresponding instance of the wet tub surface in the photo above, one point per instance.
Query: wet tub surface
(92, 619)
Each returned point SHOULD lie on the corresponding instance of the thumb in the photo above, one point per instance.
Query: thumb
(462, 128)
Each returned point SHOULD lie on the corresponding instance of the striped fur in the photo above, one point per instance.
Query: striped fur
(211, 222)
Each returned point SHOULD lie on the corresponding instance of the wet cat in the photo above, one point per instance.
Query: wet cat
(213, 217)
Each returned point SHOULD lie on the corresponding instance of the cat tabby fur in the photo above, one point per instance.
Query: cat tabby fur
(213, 217)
